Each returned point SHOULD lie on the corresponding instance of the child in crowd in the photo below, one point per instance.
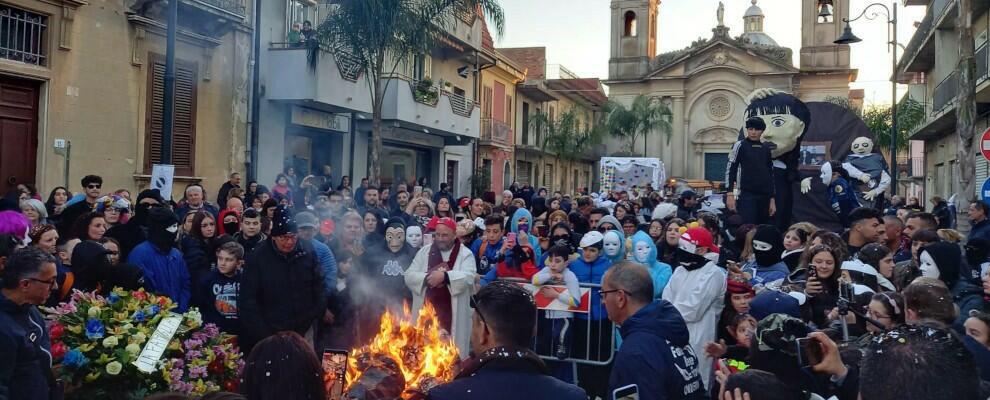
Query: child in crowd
(216, 294)
(794, 240)
(556, 323)
(342, 331)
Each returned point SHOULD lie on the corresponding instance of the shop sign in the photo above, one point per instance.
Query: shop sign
(320, 120)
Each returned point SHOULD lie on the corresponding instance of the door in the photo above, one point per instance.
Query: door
(453, 176)
(18, 131)
(715, 164)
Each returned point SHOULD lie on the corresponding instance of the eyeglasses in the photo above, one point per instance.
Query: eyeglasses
(474, 305)
(94, 186)
(49, 283)
(604, 293)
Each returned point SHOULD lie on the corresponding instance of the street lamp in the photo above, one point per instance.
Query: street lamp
(848, 37)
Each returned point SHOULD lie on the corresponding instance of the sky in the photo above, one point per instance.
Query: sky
(576, 33)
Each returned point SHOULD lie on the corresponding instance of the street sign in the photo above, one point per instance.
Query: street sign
(59, 143)
(985, 144)
(986, 191)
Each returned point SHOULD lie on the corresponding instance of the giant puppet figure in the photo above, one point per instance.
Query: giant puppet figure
(870, 170)
(787, 119)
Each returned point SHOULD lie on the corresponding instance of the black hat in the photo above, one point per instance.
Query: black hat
(151, 194)
(756, 123)
(282, 221)
(768, 245)
(688, 194)
(161, 218)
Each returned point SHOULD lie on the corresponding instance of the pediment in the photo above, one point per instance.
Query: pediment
(721, 54)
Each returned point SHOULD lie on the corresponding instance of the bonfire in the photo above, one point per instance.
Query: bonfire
(404, 360)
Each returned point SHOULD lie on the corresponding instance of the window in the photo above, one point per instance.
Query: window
(508, 109)
(486, 102)
(299, 11)
(23, 35)
(506, 175)
(184, 119)
(630, 24)
(715, 166)
(525, 123)
(486, 169)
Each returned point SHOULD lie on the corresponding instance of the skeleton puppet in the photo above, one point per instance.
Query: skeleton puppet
(870, 169)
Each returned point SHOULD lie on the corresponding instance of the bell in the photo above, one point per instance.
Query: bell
(847, 36)
(825, 11)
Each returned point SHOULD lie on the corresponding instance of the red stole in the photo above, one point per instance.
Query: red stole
(439, 297)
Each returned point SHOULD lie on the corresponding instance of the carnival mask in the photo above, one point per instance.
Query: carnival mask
(642, 252)
(395, 238)
(862, 145)
(611, 244)
(928, 267)
(414, 236)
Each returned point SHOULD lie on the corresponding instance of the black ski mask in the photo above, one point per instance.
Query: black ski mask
(141, 210)
(162, 228)
(768, 245)
(688, 260)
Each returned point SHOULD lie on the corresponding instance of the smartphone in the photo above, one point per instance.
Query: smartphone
(809, 351)
(335, 372)
(510, 238)
(630, 392)
(812, 271)
(542, 231)
(524, 228)
(427, 239)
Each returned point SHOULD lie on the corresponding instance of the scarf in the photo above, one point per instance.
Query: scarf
(504, 357)
(439, 297)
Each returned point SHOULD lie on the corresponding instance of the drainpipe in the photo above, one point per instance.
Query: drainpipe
(252, 167)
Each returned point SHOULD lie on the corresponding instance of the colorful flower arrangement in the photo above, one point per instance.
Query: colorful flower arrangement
(96, 339)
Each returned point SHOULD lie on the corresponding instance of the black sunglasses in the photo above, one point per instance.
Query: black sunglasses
(94, 186)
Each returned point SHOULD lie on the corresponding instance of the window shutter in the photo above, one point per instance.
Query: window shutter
(184, 119)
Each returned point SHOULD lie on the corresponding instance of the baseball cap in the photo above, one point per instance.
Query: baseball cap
(307, 219)
(696, 237)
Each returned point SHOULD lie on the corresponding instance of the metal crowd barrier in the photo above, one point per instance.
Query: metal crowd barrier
(591, 342)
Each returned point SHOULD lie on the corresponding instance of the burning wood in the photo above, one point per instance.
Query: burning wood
(405, 360)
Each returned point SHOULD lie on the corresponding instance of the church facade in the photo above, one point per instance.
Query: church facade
(706, 84)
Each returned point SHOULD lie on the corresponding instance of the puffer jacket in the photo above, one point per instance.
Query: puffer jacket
(25, 348)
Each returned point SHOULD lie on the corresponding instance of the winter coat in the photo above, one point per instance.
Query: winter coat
(980, 230)
(592, 273)
(656, 355)
(199, 256)
(329, 264)
(507, 379)
(941, 211)
(659, 272)
(216, 297)
(250, 243)
(280, 292)
(699, 296)
(25, 348)
(164, 273)
(769, 275)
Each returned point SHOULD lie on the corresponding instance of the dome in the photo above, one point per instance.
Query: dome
(753, 10)
(759, 38)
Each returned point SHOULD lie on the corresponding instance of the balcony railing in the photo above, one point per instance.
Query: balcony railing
(460, 104)
(944, 93)
(347, 64)
(496, 131)
(235, 7)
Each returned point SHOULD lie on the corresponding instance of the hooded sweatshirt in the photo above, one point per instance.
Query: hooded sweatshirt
(967, 295)
(621, 255)
(514, 228)
(660, 272)
(698, 294)
(164, 268)
(770, 269)
(611, 220)
(656, 356)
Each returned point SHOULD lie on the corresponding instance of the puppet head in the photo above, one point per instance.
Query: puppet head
(862, 145)
(786, 117)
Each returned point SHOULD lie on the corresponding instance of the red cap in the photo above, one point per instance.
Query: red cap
(464, 202)
(739, 287)
(700, 237)
(327, 227)
(432, 225)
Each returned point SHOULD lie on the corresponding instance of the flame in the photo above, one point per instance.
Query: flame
(425, 353)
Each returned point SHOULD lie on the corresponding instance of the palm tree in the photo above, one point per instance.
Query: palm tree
(378, 35)
(565, 136)
(644, 116)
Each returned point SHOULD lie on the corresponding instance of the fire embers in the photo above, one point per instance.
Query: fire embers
(404, 360)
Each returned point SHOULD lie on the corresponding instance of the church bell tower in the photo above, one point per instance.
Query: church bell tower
(821, 23)
(634, 38)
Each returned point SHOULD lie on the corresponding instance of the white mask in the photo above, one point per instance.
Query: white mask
(928, 267)
(611, 244)
(414, 236)
(862, 145)
(642, 252)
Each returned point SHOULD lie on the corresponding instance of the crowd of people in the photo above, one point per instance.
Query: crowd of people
(687, 300)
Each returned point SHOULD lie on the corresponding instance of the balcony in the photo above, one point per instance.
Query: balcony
(336, 81)
(235, 8)
(496, 132)
(945, 93)
(430, 109)
(211, 18)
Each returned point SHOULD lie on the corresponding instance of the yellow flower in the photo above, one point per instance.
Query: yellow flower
(94, 312)
(133, 348)
(139, 337)
(86, 348)
(114, 368)
(110, 342)
(92, 377)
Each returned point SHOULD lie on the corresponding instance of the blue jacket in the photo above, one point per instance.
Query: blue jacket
(489, 260)
(592, 273)
(656, 356)
(165, 274)
(326, 259)
(842, 199)
(25, 349)
(763, 275)
(660, 272)
(514, 227)
(980, 230)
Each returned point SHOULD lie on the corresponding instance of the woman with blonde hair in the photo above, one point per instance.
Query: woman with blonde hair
(421, 210)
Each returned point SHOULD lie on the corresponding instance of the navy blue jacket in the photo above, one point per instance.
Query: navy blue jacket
(505, 379)
(656, 356)
(980, 230)
(25, 351)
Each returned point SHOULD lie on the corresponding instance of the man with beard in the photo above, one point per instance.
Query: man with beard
(380, 283)
(443, 275)
(697, 290)
(399, 211)
(282, 288)
(134, 232)
(164, 268)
